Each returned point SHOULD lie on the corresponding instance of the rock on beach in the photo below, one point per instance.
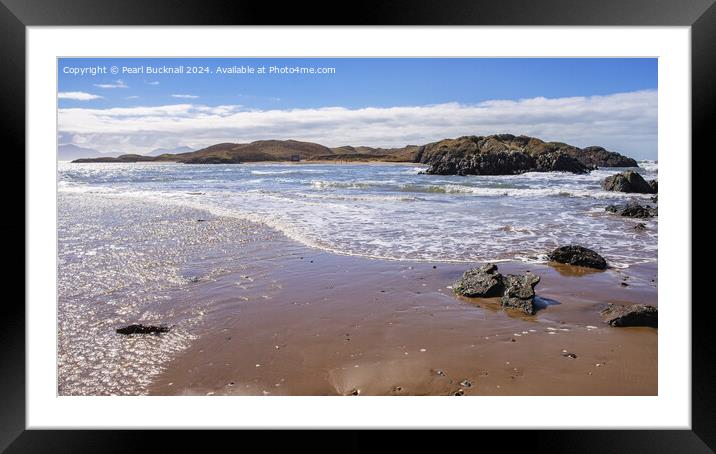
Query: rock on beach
(631, 315)
(516, 291)
(578, 256)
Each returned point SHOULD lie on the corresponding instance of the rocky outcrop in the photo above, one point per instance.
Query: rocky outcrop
(502, 154)
(520, 292)
(633, 210)
(516, 291)
(506, 154)
(654, 184)
(559, 162)
(628, 181)
(143, 329)
(482, 282)
(599, 157)
(578, 256)
(632, 315)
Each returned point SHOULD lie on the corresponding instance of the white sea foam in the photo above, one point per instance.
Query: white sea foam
(391, 212)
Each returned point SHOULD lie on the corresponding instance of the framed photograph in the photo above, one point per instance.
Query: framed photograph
(468, 221)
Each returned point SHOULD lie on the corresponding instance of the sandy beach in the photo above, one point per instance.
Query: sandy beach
(254, 312)
(312, 323)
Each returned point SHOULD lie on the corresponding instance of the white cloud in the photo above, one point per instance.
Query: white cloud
(77, 95)
(185, 96)
(115, 84)
(133, 97)
(153, 82)
(623, 122)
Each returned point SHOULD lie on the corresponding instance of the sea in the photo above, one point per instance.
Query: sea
(395, 211)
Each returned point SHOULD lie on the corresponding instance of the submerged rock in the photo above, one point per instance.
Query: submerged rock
(143, 329)
(482, 282)
(628, 181)
(520, 292)
(632, 315)
(578, 256)
(640, 227)
(633, 210)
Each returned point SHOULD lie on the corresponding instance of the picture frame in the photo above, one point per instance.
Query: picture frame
(16, 15)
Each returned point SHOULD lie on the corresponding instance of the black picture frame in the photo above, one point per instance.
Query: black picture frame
(700, 15)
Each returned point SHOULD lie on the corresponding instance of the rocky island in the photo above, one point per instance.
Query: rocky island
(506, 154)
(500, 154)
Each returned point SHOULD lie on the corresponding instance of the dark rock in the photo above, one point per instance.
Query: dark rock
(495, 163)
(559, 162)
(633, 210)
(628, 181)
(569, 355)
(599, 157)
(578, 256)
(482, 282)
(640, 227)
(654, 184)
(633, 315)
(506, 154)
(143, 329)
(519, 292)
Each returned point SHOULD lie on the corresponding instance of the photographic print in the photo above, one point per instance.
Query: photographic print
(357, 226)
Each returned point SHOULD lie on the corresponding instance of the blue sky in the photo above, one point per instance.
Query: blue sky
(103, 111)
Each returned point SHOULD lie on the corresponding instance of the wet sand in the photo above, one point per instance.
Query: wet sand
(256, 313)
(289, 320)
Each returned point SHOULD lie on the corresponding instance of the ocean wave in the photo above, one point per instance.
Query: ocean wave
(286, 172)
(649, 166)
(384, 213)
(504, 189)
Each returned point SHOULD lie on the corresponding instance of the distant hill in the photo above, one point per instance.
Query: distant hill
(403, 154)
(490, 155)
(70, 152)
(262, 150)
(161, 151)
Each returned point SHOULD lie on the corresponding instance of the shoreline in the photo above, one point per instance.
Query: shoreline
(324, 162)
(282, 318)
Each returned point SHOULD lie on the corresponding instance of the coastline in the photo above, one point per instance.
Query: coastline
(304, 162)
(280, 318)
